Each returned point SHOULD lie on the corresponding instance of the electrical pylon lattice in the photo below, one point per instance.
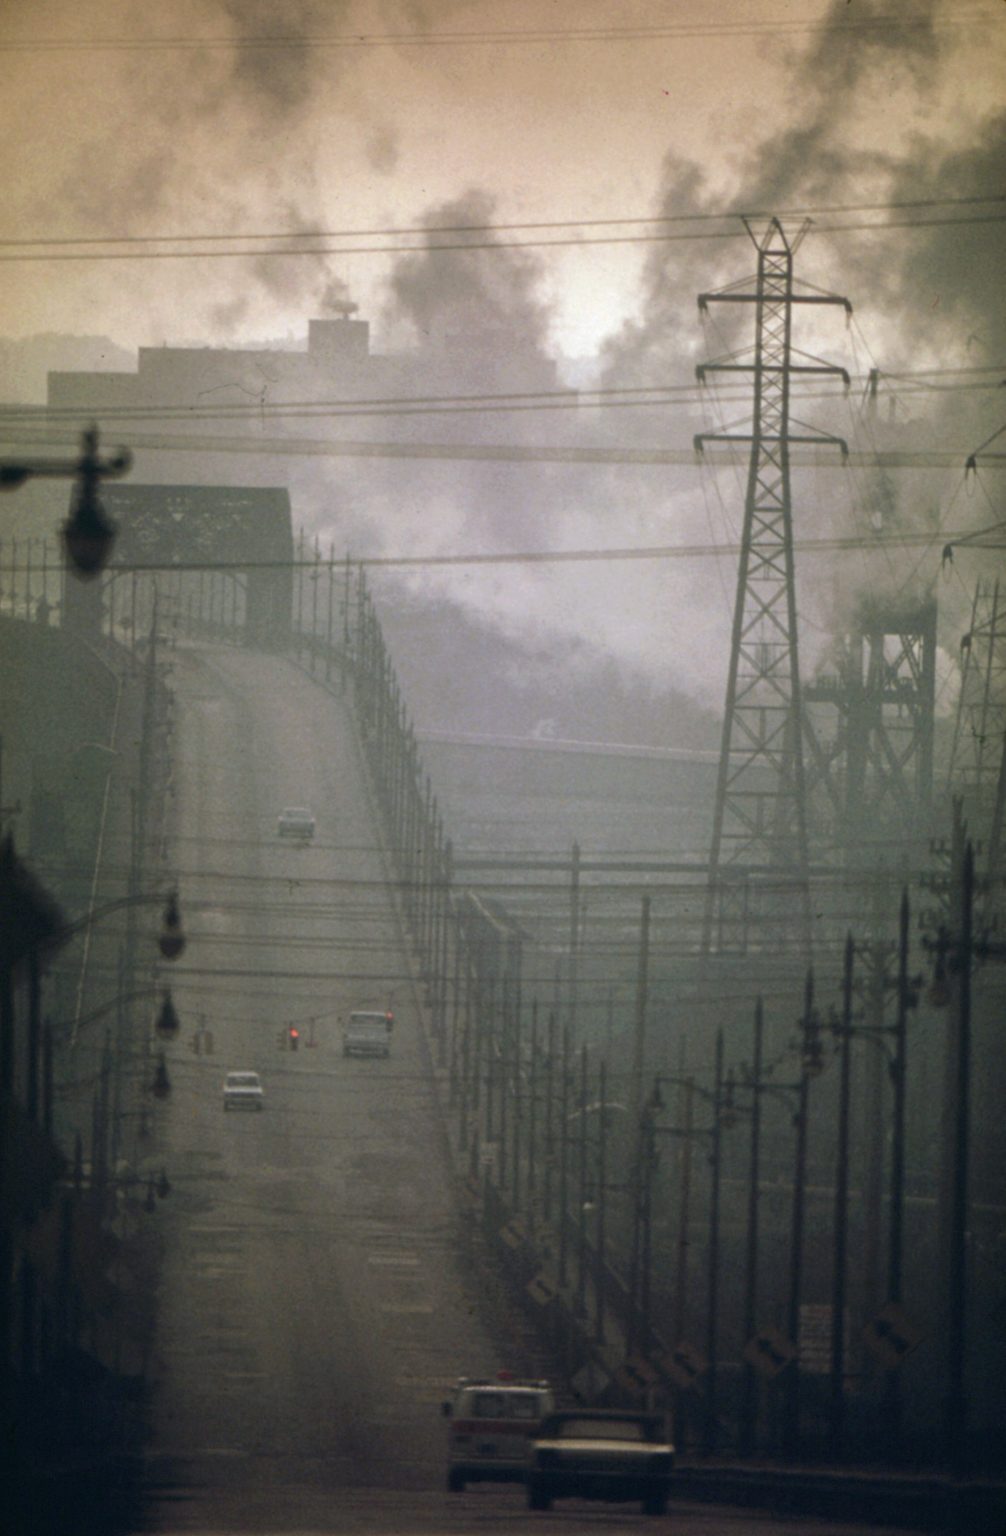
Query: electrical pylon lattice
(868, 729)
(759, 855)
(976, 758)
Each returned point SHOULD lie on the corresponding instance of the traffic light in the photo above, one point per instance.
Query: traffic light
(294, 1036)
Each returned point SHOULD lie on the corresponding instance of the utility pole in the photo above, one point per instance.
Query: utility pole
(684, 1204)
(749, 1399)
(906, 999)
(574, 931)
(711, 1429)
(760, 815)
(840, 1249)
(642, 995)
(600, 1271)
(809, 1062)
(581, 1272)
(956, 956)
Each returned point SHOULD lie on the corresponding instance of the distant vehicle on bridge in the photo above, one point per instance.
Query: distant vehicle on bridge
(596, 1454)
(368, 1033)
(243, 1090)
(296, 821)
(492, 1426)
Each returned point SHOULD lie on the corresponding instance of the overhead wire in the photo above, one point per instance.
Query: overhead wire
(498, 226)
(405, 448)
(471, 37)
(656, 396)
(428, 247)
(826, 545)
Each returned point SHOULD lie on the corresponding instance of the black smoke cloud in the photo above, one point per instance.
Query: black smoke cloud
(958, 283)
(809, 162)
(486, 294)
(279, 79)
(921, 290)
(477, 315)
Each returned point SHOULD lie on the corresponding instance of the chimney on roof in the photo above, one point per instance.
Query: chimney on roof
(341, 340)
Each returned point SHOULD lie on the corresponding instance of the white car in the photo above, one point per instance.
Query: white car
(492, 1425)
(589, 1453)
(243, 1090)
(296, 821)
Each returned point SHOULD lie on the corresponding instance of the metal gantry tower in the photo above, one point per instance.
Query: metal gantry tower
(975, 762)
(868, 728)
(760, 819)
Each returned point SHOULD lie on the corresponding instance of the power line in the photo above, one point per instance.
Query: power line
(852, 543)
(652, 396)
(478, 245)
(513, 453)
(474, 229)
(487, 37)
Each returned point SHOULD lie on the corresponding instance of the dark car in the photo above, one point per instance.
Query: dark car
(594, 1454)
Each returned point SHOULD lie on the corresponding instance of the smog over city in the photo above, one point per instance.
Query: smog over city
(503, 631)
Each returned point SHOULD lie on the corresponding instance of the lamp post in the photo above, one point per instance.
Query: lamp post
(952, 985)
(836, 1412)
(593, 1188)
(907, 998)
(811, 1063)
(712, 1313)
(749, 1391)
(721, 1119)
(87, 534)
(892, 1041)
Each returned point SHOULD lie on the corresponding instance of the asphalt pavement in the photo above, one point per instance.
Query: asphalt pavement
(315, 1303)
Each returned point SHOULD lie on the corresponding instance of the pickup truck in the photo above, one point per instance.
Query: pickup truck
(368, 1034)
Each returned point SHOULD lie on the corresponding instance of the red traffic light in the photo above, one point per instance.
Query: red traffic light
(294, 1033)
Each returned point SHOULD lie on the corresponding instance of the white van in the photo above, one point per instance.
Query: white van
(368, 1034)
(492, 1425)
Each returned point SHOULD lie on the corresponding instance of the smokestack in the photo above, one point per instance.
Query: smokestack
(339, 341)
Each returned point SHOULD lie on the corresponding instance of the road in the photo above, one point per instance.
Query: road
(317, 1295)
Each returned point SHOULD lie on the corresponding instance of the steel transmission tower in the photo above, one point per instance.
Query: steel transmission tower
(760, 819)
(981, 706)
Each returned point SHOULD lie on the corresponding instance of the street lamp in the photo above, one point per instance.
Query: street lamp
(157, 1189)
(809, 1050)
(166, 1023)
(811, 1065)
(895, 1055)
(593, 1192)
(88, 535)
(723, 1116)
(161, 1085)
(955, 957)
(171, 942)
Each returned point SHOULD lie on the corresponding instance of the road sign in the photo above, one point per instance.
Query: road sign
(514, 1233)
(636, 1375)
(769, 1352)
(683, 1365)
(590, 1381)
(541, 1289)
(891, 1335)
(815, 1337)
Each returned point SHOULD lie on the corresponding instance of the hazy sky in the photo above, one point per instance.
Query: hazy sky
(250, 118)
(188, 121)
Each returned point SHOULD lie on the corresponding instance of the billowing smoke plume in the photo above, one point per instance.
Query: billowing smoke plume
(926, 293)
(278, 79)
